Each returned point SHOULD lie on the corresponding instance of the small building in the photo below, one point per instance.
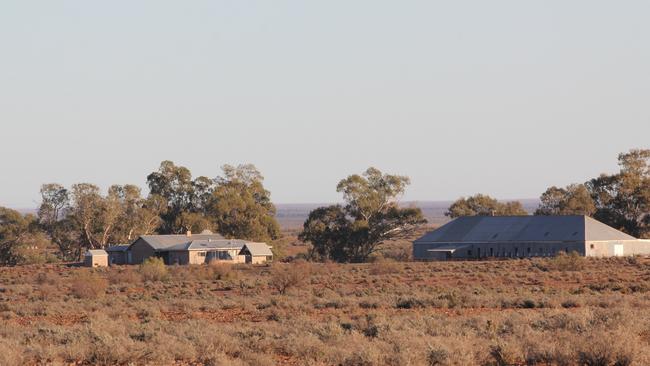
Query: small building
(256, 253)
(118, 254)
(474, 237)
(96, 258)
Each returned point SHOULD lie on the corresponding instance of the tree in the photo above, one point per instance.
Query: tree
(371, 216)
(622, 200)
(53, 216)
(174, 184)
(484, 205)
(575, 199)
(82, 218)
(241, 207)
(20, 239)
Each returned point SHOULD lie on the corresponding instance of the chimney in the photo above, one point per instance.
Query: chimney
(189, 233)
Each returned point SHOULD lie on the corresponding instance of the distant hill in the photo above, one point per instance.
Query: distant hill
(292, 216)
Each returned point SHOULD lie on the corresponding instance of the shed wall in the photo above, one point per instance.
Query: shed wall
(140, 251)
(607, 248)
(496, 250)
(96, 261)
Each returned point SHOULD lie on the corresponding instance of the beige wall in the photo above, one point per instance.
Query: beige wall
(606, 248)
(258, 259)
(96, 261)
(140, 251)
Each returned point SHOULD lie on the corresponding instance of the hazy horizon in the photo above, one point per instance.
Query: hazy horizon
(504, 98)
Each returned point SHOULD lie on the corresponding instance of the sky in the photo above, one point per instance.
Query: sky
(501, 97)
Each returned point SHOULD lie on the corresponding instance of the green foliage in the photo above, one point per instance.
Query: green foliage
(21, 241)
(575, 199)
(241, 207)
(484, 205)
(182, 195)
(620, 200)
(153, 269)
(371, 216)
(623, 200)
(81, 218)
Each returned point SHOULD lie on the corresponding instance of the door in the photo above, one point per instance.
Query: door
(618, 250)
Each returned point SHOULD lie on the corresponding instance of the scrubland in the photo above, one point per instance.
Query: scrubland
(566, 311)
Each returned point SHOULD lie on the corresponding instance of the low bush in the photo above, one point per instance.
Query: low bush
(286, 276)
(88, 285)
(153, 269)
(222, 271)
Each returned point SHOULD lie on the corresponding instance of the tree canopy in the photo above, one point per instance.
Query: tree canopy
(620, 200)
(575, 199)
(20, 239)
(182, 196)
(241, 207)
(370, 217)
(484, 205)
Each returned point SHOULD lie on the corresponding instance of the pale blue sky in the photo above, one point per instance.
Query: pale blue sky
(500, 97)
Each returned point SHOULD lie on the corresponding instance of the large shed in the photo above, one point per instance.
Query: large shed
(525, 236)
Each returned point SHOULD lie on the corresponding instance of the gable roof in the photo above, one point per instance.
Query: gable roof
(117, 248)
(208, 245)
(163, 242)
(95, 252)
(258, 249)
(523, 229)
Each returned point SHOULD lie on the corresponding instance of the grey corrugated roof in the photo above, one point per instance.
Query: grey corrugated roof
(95, 252)
(523, 229)
(216, 244)
(117, 248)
(258, 249)
(160, 242)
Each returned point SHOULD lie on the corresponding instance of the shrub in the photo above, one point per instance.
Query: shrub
(222, 271)
(384, 266)
(437, 357)
(87, 285)
(123, 276)
(153, 269)
(287, 276)
(567, 262)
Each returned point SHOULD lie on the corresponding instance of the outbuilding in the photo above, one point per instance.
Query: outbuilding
(96, 258)
(256, 253)
(118, 254)
(474, 237)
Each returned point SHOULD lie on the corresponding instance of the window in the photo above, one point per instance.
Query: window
(516, 252)
(201, 254)
(491, 252)
(529, 252)
(469, 253)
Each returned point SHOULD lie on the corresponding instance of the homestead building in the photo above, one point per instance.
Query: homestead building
(525, 236)
(195, 249)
